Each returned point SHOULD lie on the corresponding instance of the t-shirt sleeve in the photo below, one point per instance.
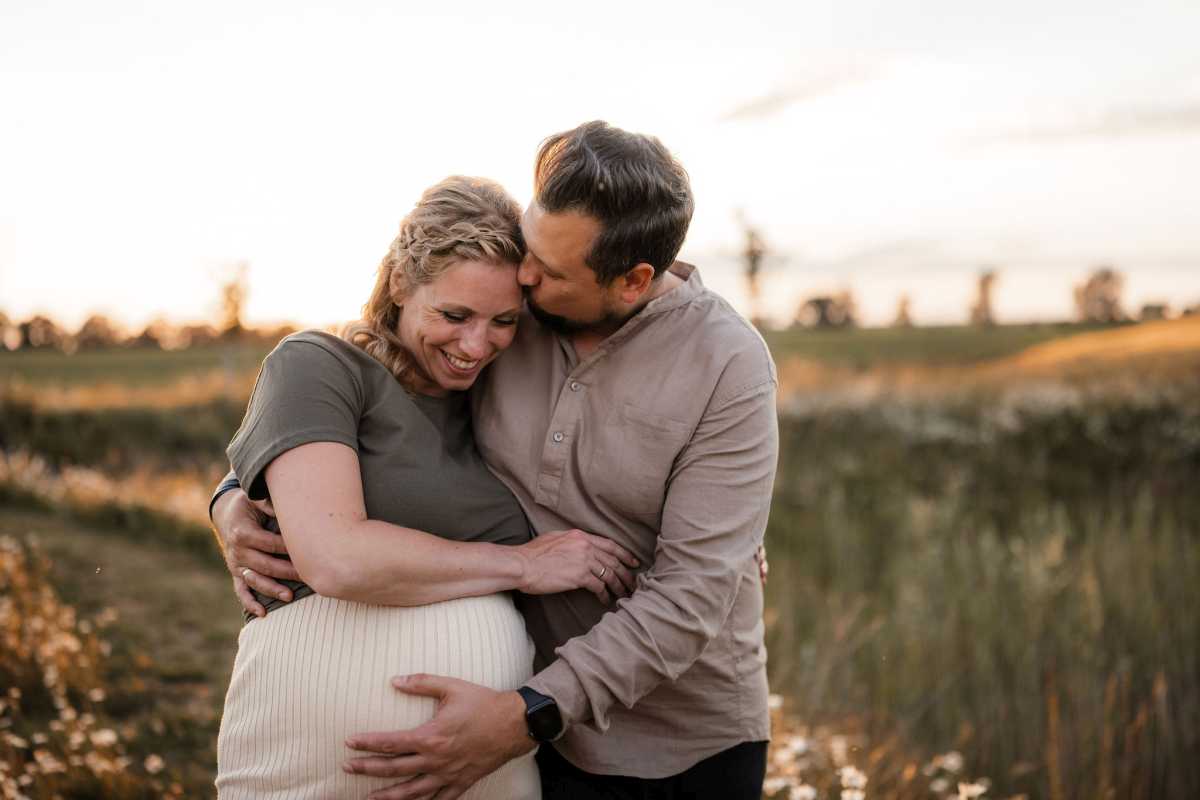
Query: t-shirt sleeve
(304, 393)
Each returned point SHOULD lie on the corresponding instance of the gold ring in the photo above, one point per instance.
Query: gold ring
(603, 572)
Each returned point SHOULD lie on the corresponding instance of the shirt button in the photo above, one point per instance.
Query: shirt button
(558, 436)
(574, 386)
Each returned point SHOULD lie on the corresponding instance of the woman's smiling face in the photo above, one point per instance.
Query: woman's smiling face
(456, 325)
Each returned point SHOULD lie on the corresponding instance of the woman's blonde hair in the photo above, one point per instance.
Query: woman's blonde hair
(458, 219)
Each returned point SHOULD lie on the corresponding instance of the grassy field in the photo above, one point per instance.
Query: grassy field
(931, 346)
(1017, 588)
(130, 367)
(984, 550)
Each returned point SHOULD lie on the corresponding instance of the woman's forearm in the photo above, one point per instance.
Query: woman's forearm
(384, 564)
(317, 494)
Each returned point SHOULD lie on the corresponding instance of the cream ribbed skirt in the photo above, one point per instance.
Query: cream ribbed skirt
(310, 674)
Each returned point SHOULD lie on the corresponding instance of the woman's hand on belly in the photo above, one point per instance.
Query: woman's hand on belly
(559, 561)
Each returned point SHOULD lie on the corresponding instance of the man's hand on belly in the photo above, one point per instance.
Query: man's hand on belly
(474, 732)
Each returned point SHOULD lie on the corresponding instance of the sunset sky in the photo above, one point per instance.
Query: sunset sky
(880, 146)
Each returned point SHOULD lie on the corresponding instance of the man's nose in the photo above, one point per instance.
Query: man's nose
(527, 273)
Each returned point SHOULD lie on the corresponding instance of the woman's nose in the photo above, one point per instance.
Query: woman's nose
(474, 342)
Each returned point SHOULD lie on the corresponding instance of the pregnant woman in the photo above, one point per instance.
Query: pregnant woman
(405, 544)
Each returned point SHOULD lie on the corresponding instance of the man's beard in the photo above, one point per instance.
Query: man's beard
(607, 324)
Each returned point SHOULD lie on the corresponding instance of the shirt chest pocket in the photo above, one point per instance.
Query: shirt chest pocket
(632, 458)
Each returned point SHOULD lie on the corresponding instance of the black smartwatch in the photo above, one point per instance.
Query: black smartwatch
(541, 715)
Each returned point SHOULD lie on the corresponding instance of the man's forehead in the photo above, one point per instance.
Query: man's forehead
(568, 229)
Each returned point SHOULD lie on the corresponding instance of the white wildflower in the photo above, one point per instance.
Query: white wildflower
(969, 791)
(852, 777)
(773, 785)
(799, 745)
(105, 737)
(838, 749)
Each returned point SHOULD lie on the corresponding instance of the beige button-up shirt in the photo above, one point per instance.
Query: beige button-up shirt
(665, 440)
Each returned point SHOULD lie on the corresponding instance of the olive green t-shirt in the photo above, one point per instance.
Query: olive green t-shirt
(416, 454)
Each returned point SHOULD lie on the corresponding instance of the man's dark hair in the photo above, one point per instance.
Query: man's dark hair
(627, 181)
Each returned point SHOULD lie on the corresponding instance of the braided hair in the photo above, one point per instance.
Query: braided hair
(458, 219)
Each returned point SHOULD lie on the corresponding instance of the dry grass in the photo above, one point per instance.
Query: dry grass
(55, 738)
(189, 390)
(1162, 338)
(182, 495)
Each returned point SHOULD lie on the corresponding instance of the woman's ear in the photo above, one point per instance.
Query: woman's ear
(397, 287)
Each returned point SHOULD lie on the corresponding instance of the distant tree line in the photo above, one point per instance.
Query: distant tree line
(1098, 300)
(98, 331)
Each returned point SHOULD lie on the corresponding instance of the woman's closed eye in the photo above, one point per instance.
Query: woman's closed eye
(459, 317)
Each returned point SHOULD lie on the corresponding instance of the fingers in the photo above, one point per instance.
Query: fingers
(253, 537)
(393, 743)
(263, 564)
(246, 598)
(266, 586)
(406, 766)
(612, 548)
(425, 685)
(598, 588)
(614, 574)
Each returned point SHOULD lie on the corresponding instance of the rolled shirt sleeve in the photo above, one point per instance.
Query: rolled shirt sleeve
(714, 516)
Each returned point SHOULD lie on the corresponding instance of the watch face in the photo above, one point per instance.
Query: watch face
(545, 723)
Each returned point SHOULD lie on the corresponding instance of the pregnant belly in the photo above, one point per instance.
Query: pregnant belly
(310, 674)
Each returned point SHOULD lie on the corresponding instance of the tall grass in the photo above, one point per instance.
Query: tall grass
(1019, 581)
(56, 738)
(189, 436)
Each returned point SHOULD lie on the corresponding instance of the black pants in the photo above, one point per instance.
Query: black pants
(733, 774)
